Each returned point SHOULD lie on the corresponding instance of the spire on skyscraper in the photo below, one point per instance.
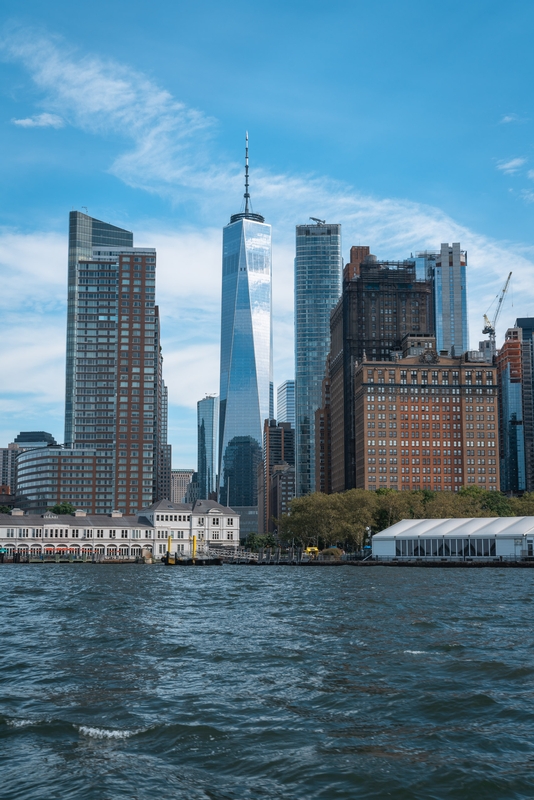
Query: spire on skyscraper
(247, 213)
(247, 195)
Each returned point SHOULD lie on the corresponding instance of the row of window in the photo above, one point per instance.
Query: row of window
(445, 547)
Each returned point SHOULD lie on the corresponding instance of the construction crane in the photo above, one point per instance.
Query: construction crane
(318, 221)
(490, 325)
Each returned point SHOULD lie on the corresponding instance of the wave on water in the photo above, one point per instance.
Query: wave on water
(103, 733)
(21, 723)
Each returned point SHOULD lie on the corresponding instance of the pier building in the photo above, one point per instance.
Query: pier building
(119, 536)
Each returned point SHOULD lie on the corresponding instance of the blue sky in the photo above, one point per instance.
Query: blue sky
(410, 123)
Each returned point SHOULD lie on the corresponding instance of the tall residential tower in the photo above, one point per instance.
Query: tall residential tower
(116, 402)
(246, 387)
(317, 289)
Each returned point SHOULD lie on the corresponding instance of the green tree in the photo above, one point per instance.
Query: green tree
(522, 506)
(63, 508)
(255, 540)
(5, 510)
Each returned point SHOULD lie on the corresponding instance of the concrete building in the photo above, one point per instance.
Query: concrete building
(426, 422)
(318, 265)
(55, 474)
(8, 456)
(119, 536)
(285, 403)
(115, 395)
(282, 491)
(472, 539)
(381, 302)
(180, 480)
(278, 449)
(323, 437)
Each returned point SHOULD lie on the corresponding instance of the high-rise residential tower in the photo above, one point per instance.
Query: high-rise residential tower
(447, 269)
(207, 427)
(116, 399)
(317, 289)
(285, 402)
(246, 388)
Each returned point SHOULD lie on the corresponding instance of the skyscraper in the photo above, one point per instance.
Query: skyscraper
(382, 302)
(317, 289)
(115, 395)
(246, 388)
(285, 402)
(511, 403)
(278, 449)
(447, 269)
(207, 424)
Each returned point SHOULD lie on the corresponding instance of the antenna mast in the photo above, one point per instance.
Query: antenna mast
(246, 195)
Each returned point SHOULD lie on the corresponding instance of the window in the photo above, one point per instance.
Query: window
(230, 521)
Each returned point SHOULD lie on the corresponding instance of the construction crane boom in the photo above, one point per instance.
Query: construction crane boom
(490, 325)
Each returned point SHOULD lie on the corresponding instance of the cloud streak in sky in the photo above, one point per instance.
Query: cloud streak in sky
(511, 166)
(40, 121)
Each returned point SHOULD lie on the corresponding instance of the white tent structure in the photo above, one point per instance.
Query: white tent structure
(493, 538)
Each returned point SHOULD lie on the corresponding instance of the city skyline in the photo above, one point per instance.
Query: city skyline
(69, 143)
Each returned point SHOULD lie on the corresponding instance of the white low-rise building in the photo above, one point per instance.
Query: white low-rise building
(117, 536)
(490, 538)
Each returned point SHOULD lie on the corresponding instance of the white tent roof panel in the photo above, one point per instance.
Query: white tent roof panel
(472, 526)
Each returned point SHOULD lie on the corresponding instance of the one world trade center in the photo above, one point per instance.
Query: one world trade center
(246, 387)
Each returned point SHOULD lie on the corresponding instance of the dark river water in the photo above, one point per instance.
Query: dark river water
(265, 682)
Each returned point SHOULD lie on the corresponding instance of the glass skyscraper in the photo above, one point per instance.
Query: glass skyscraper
(317, 289)
(246, 388)
(285, 402)
(447, 269)
(207, 424)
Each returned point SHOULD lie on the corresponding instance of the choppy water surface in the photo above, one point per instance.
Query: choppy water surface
(273, 682)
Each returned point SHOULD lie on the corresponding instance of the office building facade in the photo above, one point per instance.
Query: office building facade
(115, 394)
(285, 402)
(426, 422)
(381, 303)
(207, 436)
(318, 266)
(447, 271)
(246, 387)
(55, 474)
(180, 480)
(511, 423)
(278, 450)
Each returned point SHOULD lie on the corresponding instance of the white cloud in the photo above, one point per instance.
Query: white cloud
(40, 121)
(530, 174)
(509, 118)
(511, 166)
(103, 96)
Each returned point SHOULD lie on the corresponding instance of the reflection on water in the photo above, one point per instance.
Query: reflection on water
(265, 682)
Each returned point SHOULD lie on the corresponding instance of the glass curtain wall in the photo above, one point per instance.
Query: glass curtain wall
(246, 388)
(317, 289)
